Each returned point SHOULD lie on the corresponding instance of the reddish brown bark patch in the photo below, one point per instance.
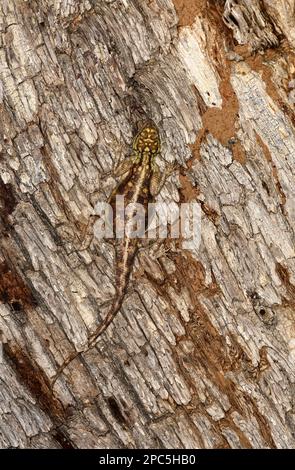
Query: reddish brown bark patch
(188, 191)
(13, 290)
(187, 10)
(7, 201)
(33, 377)
(284, 276)
(220, 122)
(239, 153)
(269, 159)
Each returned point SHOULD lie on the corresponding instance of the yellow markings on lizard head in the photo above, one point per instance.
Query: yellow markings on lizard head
(147, 140)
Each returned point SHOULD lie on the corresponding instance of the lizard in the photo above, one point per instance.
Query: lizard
(140, 180)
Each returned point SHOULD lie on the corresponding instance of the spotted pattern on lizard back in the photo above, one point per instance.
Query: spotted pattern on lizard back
(139, 182)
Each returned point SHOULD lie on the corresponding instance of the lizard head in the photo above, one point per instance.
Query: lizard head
(147, 140)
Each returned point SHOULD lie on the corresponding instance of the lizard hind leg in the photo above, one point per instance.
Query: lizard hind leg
(90, 233)
(159, 178)
(90, 344)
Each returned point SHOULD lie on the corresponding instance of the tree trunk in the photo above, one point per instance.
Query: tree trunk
(202, 353)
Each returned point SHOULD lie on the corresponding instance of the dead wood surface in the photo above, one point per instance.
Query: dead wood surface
(202, 353)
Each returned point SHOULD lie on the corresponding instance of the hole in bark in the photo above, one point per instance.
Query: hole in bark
(265, 187)
(4, 297)
(16, 306)
(13, 290)
(116, 410)
(232, 18)
(7, 200)
(262, 311)
(63, 440)
(254, 295)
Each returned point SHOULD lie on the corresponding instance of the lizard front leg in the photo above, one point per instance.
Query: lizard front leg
(122, 171)
(158, 178)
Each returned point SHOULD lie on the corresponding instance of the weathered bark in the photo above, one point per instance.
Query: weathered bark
(202, 353)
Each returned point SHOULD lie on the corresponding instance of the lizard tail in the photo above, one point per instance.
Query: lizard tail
(116, 305)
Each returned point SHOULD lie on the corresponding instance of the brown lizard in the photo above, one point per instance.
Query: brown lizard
(140, 181)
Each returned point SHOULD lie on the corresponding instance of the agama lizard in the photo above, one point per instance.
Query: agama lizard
(140, 181)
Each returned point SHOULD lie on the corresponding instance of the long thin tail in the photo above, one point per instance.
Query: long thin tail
(116, 306)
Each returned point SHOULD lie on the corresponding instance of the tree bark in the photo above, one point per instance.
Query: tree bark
(202, 353)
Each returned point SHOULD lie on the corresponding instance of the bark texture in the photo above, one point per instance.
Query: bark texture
(202, 354)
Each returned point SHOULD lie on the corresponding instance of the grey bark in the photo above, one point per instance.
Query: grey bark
(202, 353)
